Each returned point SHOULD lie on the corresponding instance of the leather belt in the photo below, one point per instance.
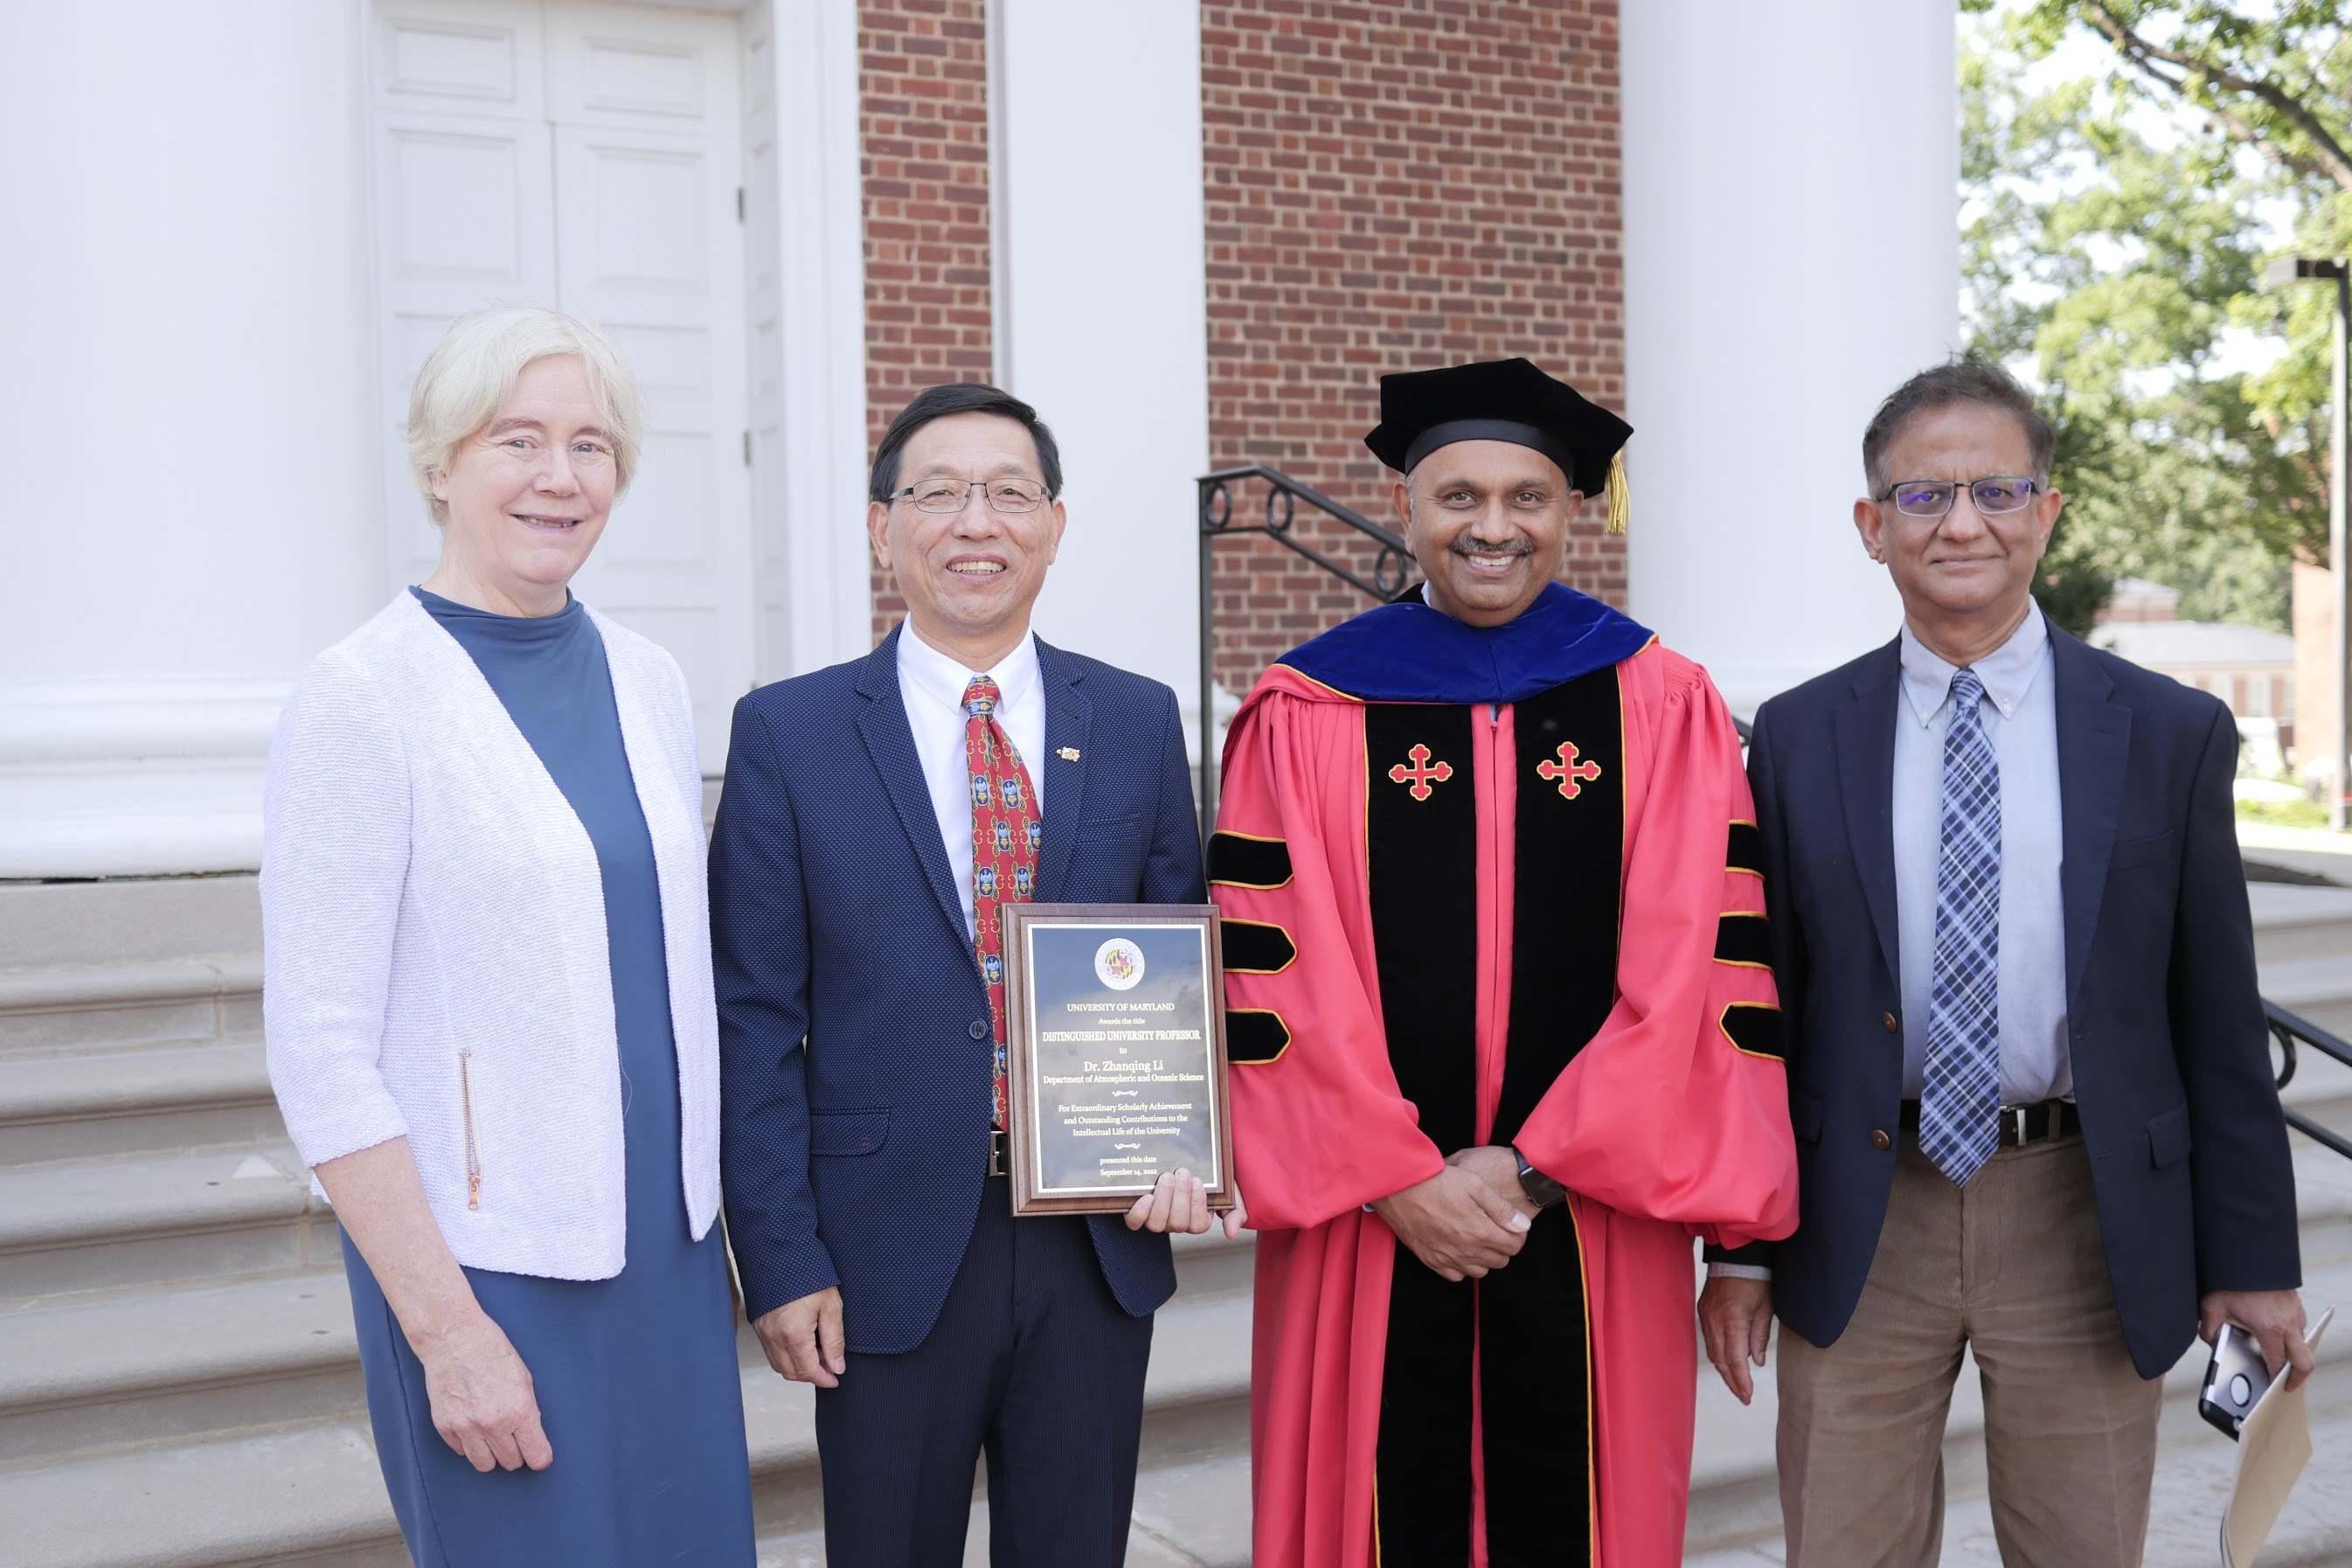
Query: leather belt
(2019, 1124)
(998, 1164)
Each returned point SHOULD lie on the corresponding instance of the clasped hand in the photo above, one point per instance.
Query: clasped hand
(1467, 1221)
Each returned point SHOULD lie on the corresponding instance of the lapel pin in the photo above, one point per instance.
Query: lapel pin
(1067, 753)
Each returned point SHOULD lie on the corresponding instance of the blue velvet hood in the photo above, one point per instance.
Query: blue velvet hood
(1407, 652)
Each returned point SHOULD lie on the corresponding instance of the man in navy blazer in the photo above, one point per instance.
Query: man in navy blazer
(859, 1038)
(2028, 1072)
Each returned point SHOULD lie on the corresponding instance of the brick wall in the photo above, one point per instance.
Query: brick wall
(1391, 187)
(923, 130)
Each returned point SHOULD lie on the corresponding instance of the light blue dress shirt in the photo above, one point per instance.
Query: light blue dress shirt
(2021, 717)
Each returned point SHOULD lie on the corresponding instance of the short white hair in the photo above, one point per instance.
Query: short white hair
(470, 376)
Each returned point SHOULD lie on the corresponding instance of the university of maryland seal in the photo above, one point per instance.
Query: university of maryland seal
(1119, 963)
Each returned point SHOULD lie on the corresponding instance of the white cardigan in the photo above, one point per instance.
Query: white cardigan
(435, 960)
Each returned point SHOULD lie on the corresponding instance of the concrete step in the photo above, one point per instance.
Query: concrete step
(134, 1367)
(141, 1102)
(1186, 1516)
(92, 1369)
(304, 1494)
(46, 925)
(178, 1381)
(2302, 937)
(2302, 940)
(2319, 988)
(97, 1225)
(156, 1398)
(2300, 923)
(97, 966)
(1735, 1513)
(2323, 1195)
(108, 1006)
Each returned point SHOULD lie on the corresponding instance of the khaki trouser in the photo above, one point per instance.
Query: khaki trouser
(2010, 1268)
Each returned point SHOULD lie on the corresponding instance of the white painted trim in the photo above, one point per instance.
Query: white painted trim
(143, 777)
(819, 497)
(158, 719)
(144, 649)
(1102, 256)
(1791, 255)
(1000, 209)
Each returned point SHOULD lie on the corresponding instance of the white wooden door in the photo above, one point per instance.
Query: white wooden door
(588, 157)
(465, 202)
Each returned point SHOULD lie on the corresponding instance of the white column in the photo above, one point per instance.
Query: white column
(1101, 309)
(808, 336)
(1791, 253)
(191, 512)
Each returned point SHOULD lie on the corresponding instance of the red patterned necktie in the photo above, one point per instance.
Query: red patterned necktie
(1006, 832)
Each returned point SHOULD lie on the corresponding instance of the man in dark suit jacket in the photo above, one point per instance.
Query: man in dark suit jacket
(2028, 1070)
(855, 878)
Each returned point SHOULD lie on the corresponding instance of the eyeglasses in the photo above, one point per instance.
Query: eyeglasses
(954, 495)
(1932, 498)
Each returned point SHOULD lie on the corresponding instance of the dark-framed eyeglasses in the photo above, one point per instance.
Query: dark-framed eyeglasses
(1932, 498)
(944, 495)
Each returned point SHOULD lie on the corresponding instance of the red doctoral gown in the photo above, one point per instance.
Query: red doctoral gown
(1536, 921)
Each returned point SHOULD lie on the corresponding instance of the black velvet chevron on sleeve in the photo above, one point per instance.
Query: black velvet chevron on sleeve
(1743, 938)
(1746, 850)
(1254, 1035)
(1238, 860)
(1755, 1027)
(1257, 947)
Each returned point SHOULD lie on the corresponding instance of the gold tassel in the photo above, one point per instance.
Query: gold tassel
(1620, 501)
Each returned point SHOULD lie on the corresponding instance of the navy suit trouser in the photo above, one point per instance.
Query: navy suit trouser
(1033, 1362)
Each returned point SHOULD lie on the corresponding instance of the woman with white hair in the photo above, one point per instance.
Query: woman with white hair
(489, 1004)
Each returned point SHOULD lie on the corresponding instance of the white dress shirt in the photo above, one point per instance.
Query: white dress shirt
(932, 686)
(2020, 719)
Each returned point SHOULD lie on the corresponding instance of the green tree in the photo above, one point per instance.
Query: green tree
(2116, 230)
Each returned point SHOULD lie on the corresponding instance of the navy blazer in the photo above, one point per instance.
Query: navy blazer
(856, 1049)
(2171, 1058)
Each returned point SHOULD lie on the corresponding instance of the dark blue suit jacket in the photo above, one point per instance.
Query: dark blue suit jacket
(2171, 1060)
(854, 1045)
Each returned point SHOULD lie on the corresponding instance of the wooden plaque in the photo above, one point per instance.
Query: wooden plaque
(1114, 1023)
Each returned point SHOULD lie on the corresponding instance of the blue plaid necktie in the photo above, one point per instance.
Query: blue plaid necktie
(1959, 1105)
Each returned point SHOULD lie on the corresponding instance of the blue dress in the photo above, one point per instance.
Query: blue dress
(635, 1375)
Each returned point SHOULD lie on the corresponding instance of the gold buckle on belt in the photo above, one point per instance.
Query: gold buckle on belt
(996, 1162)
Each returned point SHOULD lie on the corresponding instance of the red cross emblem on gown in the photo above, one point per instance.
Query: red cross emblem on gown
(1568, 771)
(1421, 774)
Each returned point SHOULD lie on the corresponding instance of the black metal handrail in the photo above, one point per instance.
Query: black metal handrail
(2292, 1031)
(1392, 574)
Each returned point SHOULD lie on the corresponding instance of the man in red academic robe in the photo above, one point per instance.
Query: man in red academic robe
(1498, 992)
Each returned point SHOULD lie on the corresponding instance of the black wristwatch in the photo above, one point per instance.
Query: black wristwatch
(1541, 1189)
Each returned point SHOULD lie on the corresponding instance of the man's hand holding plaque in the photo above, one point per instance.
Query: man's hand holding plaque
(1179, 1201)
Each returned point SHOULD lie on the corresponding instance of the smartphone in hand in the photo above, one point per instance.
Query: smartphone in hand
(2234, 1380)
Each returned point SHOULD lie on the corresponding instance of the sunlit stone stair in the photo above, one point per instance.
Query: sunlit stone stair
(178, 1376)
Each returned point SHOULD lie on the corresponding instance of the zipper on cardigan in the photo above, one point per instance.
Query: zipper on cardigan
(473, 1145)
